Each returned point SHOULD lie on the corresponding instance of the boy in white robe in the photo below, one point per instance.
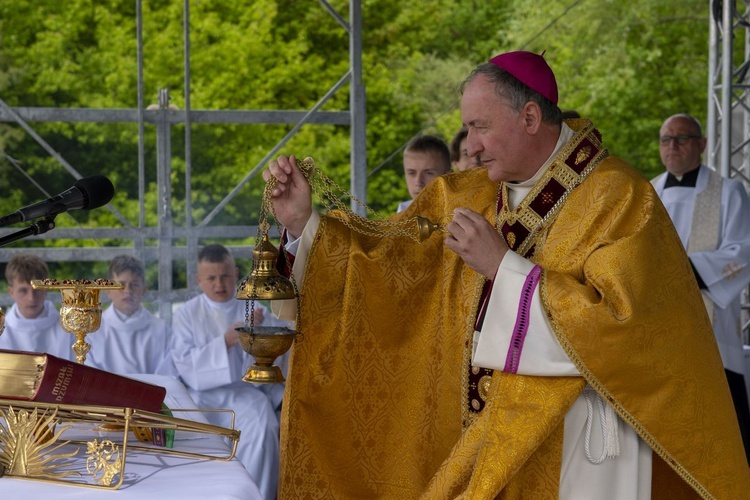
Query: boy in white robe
(712, 217)
(130, 339)
(211, 363)
(33, 322)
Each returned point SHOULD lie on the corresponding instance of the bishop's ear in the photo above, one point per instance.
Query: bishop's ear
(531, 114)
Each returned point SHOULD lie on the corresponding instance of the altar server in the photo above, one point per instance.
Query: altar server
(33, 322)
(130, 339)
(211, 363)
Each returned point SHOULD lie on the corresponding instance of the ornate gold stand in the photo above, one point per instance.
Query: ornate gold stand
(81, 310)
(32, 440)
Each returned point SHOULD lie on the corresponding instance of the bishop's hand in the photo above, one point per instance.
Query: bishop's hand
(291, 195)
(475, 240)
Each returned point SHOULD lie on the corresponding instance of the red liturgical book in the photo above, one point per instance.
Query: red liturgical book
(34, 376)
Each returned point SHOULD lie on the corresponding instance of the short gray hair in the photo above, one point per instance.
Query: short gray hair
(691, 119)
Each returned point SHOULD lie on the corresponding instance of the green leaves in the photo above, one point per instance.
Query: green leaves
(626, 65)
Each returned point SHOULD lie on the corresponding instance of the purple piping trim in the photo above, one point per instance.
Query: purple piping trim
(522, 321)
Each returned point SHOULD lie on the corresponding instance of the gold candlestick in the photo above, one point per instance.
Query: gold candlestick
(81, 310)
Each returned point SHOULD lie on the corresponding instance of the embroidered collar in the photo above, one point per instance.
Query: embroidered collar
(522, 226)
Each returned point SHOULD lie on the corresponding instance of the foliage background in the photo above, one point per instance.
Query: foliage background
(626, 65)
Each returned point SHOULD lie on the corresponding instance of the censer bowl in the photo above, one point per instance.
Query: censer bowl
(265, 344)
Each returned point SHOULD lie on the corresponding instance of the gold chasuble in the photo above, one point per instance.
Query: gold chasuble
(376, 403)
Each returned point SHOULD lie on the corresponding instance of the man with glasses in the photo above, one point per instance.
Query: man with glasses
(712, 217)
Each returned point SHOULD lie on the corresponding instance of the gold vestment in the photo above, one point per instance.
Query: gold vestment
(376, 392)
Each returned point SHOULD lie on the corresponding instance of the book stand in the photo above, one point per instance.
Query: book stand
(88, 445)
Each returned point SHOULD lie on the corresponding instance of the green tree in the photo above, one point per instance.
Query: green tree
(627, 66)
(609, 56)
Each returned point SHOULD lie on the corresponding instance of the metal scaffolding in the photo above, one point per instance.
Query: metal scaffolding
(728, 122)
(162, 116)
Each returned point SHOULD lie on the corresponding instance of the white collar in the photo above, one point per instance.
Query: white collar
(566, 134)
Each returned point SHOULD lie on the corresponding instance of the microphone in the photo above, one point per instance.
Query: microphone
(86, 193)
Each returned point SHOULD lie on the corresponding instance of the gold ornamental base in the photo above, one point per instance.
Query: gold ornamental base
(61, 443)
(265, 344)
(264, 375)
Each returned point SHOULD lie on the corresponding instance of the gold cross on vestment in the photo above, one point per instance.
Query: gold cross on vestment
(731, 270)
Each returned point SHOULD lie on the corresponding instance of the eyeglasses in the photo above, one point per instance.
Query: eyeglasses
(681, 140)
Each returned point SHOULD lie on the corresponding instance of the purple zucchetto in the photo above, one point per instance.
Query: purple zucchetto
(531, 70)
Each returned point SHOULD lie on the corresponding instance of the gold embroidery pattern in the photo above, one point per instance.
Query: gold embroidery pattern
(583, 155)
(731, 270)
(511, 237)
(564, 175)
(467, 417)
(504, 215)
(346, 399)
(484, 386)
(571, 319)
(547, 198)
(625, 415)
(529, 218)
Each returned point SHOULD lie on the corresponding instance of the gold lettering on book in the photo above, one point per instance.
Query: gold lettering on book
(62, 382)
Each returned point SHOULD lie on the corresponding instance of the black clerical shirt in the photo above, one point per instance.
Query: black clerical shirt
(688, 180)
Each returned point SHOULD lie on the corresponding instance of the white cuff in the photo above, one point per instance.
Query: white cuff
(541, 353)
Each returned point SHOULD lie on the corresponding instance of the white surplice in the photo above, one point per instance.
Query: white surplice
(213, 375)
(131, 344)
(41, 334)
(403, 205)
(624, 477)
(725, 270)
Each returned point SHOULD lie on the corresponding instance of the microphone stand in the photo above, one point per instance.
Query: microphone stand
(39, 227)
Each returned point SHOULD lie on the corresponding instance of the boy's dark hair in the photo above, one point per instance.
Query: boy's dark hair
(214, 253)
(456, 144)
(123, 263)
(431, 144)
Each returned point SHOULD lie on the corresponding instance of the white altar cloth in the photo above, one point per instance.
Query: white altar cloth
(164, 477)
